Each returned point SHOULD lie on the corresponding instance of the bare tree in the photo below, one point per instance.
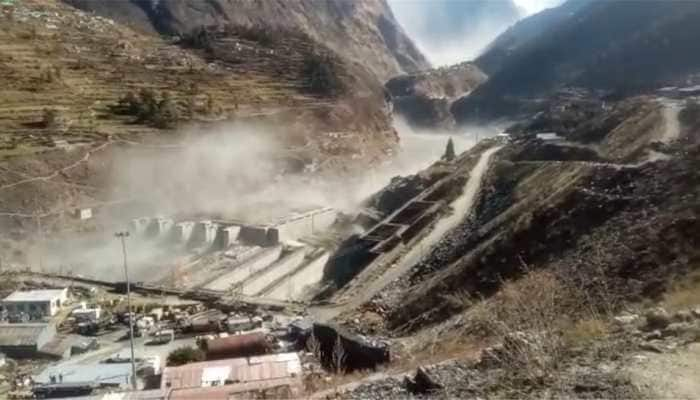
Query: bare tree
(313, 345)
(339, 356)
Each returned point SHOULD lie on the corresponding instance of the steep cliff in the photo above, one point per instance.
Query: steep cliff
(363, 30)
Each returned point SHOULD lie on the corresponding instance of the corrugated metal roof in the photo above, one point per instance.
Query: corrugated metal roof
(240, 370)
(35, 295)
(20, 334)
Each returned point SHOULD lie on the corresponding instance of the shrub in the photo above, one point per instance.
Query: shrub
(199, 38)
(147, 108)
(322, 75)
(184, 355)
(536, 318)
(690, 114)
(166, 113)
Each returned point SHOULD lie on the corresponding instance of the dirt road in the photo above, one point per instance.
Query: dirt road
(672, 127)
(670, 375)
(461, 208)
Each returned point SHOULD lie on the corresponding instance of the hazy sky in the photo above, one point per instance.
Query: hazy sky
(533, 6)
(452, 31)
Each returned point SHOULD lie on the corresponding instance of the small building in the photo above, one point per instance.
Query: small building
(25, 340)
(83, 213)
(107, 375)
(503, 137)
(36, 303)
(549, 137)
(213, 379)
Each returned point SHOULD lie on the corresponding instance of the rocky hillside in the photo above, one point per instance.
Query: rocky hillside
(523, 32)
(78, 89)
(549, 285)
(424, 98)
(618, 47)
(359, 30)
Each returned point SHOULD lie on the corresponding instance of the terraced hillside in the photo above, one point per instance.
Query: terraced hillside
(69, 81)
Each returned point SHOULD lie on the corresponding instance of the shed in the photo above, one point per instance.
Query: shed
(233, 371)
(36, 303)
(25, 340)
(549, 136)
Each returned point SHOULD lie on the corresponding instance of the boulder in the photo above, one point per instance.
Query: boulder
(654, 335)
(657, 318)
(627, 319)
(423, 382)
(491, 357)
(682, 316)
(696, 313)
(677, 329)
(651, 347)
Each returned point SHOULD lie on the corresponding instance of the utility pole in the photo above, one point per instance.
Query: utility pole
(122, 236)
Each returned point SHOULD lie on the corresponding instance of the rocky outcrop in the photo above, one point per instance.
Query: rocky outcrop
(424, 98)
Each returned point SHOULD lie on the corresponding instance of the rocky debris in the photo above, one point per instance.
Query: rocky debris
(422, 382)
(626, 319)
(341, 349)
(657, 318)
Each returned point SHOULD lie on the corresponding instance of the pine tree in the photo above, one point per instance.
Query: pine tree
(449, 151)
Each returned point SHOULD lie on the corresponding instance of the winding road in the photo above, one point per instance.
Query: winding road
(461, 207)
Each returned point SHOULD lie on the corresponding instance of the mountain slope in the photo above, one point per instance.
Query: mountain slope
(424, 98)
(70, 81)
(361, 30)
(524, 31)
(613, 46)
(449, 31)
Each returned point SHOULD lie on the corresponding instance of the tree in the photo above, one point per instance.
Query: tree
(166, 114)
(184, 355)
(449, 151)
(321, 74)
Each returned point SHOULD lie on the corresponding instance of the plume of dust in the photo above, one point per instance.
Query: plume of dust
(235, 172)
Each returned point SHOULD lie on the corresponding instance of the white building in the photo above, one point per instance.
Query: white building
(36, 303)
(549, 137)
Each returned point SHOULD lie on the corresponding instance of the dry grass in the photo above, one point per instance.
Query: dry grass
(683, 294)
(585, 331)
(538, 318)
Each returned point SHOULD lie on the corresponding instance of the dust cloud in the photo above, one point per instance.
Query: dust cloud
(237, 172)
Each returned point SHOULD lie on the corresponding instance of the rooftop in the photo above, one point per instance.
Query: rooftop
(35, 295)
(235, 370)
(103, 374)
(20, 334)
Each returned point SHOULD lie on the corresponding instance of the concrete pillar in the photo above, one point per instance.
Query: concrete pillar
(182, 232)
(204, 232)
(160, 226)
(227, 236)
(138, 226)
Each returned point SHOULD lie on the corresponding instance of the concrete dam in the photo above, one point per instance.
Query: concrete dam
(268, 260)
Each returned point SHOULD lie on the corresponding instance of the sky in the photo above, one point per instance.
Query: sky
(535, 6)
(449, 31)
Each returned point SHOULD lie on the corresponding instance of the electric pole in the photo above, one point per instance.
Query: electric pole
(122, 236)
